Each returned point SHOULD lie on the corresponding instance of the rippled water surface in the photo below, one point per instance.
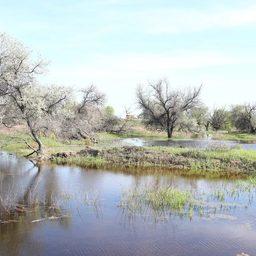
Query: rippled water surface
(73, 211)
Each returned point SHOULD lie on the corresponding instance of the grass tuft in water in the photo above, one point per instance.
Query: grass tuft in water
(157, 200)
(167, 198)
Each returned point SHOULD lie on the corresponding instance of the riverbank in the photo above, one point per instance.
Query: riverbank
(190, 162)
(110, 154)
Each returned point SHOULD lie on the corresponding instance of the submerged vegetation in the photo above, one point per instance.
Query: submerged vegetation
(161, 201)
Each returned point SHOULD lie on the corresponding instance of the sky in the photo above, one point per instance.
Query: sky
(120, 44)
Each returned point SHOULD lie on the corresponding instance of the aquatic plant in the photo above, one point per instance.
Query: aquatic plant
(157, 201)
(161, 201)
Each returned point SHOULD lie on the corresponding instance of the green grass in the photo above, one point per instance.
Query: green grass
(15, 143)
(190, 162)
(157, 200)
(105, 136)
(226, 155)
(135, 133)
(160, 201)
(167, 198)
(140, 132)
(85, 162)
(235, 136)
(193, 162)
(229, 154)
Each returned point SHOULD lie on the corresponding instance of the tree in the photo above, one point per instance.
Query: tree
(84, 117)
(219, 119)
(162, 107)
(244, 117)
(201, 115)
(22, 97)
(195, 120)
(187, 123)
(110, 120)
(109, 111)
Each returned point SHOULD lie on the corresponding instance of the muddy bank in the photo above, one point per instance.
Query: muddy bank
(193, 162)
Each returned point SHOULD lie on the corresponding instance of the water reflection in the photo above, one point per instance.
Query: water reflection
(93, 224)
(196, 143)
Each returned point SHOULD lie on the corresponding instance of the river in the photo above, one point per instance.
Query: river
(60, 210)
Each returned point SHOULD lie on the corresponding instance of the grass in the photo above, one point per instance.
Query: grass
(235, 136)
(160, 201)
(252, 181)
(157, 199)
(139, 131)
(14, 142)
(167, 198)
(148, 134)
(157, 202)
(85, 162)
(134, 133)
(191, 162)
(217, 162)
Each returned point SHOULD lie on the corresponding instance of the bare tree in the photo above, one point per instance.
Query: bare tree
(84, 117)
(114, 124)
(22, 98)
(90, 97)
(219, 119)
(244, 117)
(162, 107)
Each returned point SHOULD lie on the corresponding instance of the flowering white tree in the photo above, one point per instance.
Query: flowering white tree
(21, 96)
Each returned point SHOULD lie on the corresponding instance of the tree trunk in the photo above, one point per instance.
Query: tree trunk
(252, 130)
(207, 126)
(39, 150)
(35, 137)
(169, 131)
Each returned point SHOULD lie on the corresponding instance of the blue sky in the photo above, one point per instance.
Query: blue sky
(118, 44)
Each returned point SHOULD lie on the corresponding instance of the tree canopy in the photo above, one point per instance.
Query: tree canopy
(162, 106)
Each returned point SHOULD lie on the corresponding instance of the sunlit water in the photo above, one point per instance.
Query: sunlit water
(196, 143)
(78, 213)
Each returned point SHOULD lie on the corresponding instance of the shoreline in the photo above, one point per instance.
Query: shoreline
(188, 162)
(109, 154)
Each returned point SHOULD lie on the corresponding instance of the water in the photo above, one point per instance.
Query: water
(196, 143)
(76, 212)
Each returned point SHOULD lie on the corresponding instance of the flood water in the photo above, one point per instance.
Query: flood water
(73, 211)
(196, 143)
